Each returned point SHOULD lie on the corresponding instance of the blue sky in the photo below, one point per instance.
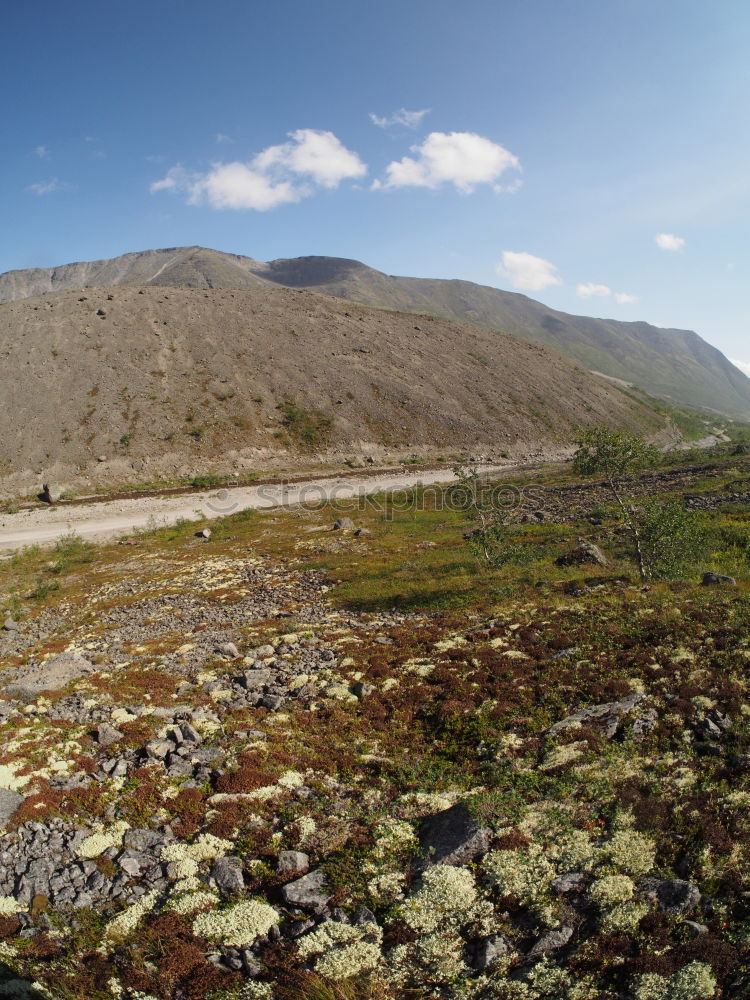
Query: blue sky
(590, 153)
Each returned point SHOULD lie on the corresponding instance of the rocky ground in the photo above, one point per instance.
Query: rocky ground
(229, 772)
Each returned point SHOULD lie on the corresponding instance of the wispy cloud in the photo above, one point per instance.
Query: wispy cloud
(222, 137)
(528, 272)
(50, 186)
(744, 366)
(668, 241)
(589, 290)
(42, 152)
(463, 159)
(408, 119)
(279, 174)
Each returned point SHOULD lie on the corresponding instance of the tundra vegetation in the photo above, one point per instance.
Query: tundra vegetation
(292, 762)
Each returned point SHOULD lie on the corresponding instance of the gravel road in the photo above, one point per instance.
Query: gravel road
(110, 519)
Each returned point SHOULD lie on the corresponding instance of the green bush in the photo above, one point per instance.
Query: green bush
(673, 540)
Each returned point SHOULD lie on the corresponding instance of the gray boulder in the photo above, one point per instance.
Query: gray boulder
(343, 524)
(452, 837)
(9, 802)
(51, 675)
(106, 734)
(51, 493)
(293, 861)
(308, 892)
(606, 716)
(584, 552)
(227, 874)
(487, 951)
(673, 895)
(551, 941)
(717, 579)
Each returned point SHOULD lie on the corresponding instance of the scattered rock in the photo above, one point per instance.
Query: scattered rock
(227, 874)
(487, 951)
(51, 493)
(307, 892)
(695, 929)
(228, 649)
(360, 532)
(644, 723)
(203, 533)
(10, 625)
(51, 675)
(607, 715)
(570, 882)
(106, 734)
(452, 837)
(293, 861)
(717, 579)
(673, 895)
(584, 552)
(362, 689)
(343, 524)
(551, 941)
(9, 802)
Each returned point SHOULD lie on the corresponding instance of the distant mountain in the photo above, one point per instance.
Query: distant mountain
(677, 365)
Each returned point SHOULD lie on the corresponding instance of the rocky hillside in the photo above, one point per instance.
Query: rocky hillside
(173, 381)
(674, 364)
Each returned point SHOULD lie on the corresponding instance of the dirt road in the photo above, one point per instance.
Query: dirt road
(110, 519)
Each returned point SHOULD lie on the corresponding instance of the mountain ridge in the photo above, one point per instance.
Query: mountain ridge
(676, 365)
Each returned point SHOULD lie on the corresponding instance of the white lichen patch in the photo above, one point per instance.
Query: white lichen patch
(101, 840)
(204, 848)
(240, 925)
(127, 921)
(344, 950)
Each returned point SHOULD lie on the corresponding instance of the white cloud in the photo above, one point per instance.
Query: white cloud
(409, 119)
(277, 175)
(460, 158)
(47, 187)
(625, 298)
(528, 272)
(587, 290)
(744, 366)
(42, 152)
(223, 137)
(319, 154)
(668, 241)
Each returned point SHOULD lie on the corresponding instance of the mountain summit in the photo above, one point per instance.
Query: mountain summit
(677, 365)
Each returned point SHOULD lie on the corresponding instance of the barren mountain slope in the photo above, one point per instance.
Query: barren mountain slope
(177, 379)
(675, 364)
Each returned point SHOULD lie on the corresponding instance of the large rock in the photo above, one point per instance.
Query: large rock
(452, 837)
(51, 492)
(487, 951)
(584, 552)
(673, 895)
(606, 716)
(51, 675)
(551, 941)
(718, 579)
(9, 802)
(343, 524)
(227, 874)
(293, 861)
(307, 892)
